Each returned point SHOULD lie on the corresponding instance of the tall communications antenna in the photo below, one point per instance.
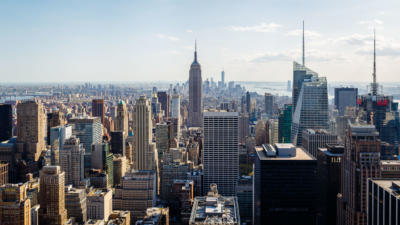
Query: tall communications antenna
(374, 84)
(303, 46)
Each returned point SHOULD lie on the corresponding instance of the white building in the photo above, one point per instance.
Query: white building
(72, 161)
(221, 151)
(99, 204)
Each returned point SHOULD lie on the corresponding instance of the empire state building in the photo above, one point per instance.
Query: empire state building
(195, 98)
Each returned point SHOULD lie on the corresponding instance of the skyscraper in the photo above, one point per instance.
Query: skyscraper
(31, 128)
(72, 161)
(360, 162)
(248, 103)
(285, 124)
(102, 159)
(345, 97)
(5, 122)
(52, 196)
(285, 186)
(54, 119)
(121, 120)
(144, 158)
(98, 109)
(89, 131)
(163, 98)
(269, 104)
(195, 94)
(118, 142)
(311, 110)
(176, 106)
(318, 138)
(221, 151)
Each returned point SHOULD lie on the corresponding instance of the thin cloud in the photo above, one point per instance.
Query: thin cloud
(167, 37)
(189, 31)
(262, 27)
(372, 24)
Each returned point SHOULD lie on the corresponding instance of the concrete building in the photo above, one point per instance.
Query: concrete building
(120, 218)
(163, 136)
(383, 201)
(169, 173)
(221, 151)
(75, 203)
(182, 197)
(35, 215)
(121, 120)
(163, 98)
(144, 153)
(120, 166)
(285, 185)
(361, 160)
(317, 138)
(99, 204)
(15, 206)
(195, 109)
(136, 193)
(31, 128)
(244, 129)
(272, 131)
(6, 119)
(52, 196)
(72, 161)
(176, 107)
(215, 209)
(3, 173)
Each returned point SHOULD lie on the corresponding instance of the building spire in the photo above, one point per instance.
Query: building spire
(303, 47)
(195, 50)
(374, 84)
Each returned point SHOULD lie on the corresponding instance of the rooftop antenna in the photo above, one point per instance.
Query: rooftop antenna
(195, 50)
(303, 46)
(374, 84)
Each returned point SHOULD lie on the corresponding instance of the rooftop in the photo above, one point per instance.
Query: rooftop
(392, 186)
(300, 154)
(215, 210)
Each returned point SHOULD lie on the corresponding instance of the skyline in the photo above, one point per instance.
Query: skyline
(154, 40)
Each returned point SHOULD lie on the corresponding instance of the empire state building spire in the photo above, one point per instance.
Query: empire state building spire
(374, 84)
(195, 50)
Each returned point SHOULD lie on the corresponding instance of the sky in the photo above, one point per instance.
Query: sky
(153, 40)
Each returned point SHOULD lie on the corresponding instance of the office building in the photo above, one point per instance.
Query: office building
(15, 206)
(60, 134)
(176, 107)
(119, 218)
(3, 173)
(89, 131)
(317, 138)
(329, 180)
(144, 152)
(245, 199)
(31, 128)
(285, 185)
(361, 160)
(121, 120)
(102, 159)
(272, 131)
(345, 97)
(248, 103)
(52, 206)
(244, 129)
(98, 109)
(75, 203)
(169, 173)
(285, 124)
(99, 204)
(311, 109)
(163, 137)
(163, 98)
(221, 151)
(54, 119)
(136, 193)
(195, 109)
(6, 117)
(383, 201)
(118, 142)
(215, 209)
(269, 104)
(72, 161)
(182, 197)
(120, 164)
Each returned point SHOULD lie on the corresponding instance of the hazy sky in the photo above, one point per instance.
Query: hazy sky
(146, 40)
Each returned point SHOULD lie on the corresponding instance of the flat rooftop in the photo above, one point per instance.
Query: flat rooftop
(300, 155)
(387, 184)
(215, 210)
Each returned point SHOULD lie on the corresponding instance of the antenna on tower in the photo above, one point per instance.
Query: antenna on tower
(303, 46)
(374, 84)
(195, 50)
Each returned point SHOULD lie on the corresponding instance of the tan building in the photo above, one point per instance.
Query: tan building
(144, 155)
(99, 204)
(120, 218)
(120, 168)
(3, 173)
(136, 193)
(15, 207)
(52, 196)
(121, 120)
(31, 128)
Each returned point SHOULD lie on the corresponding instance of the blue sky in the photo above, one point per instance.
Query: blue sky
(152, 40)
